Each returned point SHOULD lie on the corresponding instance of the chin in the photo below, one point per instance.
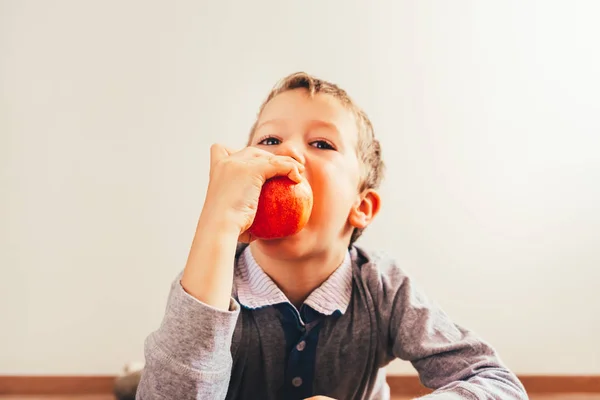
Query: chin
(294, 247)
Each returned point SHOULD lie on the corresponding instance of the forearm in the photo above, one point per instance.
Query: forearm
(457, 363)
(189, 356)
(449, 358)
(208, 274)
(489, 384)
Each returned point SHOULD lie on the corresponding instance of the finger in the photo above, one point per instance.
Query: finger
(254, 153)
(282, 167)
(295, 175)
(218, 152)
(250, 152)
(299, 165)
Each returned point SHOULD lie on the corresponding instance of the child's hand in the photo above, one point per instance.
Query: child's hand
(320, 398)
(236, 179)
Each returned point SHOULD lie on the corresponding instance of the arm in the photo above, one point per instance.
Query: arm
(447, 357)
(189, 356)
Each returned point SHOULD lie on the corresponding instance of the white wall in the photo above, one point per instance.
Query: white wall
(488, 112)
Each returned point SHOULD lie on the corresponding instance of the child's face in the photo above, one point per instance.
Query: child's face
(322, 134)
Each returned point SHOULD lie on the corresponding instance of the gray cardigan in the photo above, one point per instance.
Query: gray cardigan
(200, 352)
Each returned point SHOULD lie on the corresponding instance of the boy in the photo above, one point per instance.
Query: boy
(311, 314)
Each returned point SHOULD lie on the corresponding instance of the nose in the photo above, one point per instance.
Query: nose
(290, 149)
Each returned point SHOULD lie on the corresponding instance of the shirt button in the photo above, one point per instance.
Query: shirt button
(300, 346)
(297, 381)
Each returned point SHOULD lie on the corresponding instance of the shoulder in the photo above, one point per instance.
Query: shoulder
(389, 283)
(378, 270)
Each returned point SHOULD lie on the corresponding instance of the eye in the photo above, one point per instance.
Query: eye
(322, 144)
(269, 141)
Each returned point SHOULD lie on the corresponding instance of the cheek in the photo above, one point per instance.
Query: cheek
(334, 190)
(340, 175)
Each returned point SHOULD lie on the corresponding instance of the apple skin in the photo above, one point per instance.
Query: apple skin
(284, 208)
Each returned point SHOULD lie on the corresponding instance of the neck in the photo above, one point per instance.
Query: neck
(298, 277)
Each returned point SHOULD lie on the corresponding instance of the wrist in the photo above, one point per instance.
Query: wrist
(218, 224)
(208, 274)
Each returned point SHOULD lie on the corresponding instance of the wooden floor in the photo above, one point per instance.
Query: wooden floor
(104, 397)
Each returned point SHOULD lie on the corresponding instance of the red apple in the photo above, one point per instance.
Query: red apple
(284, 207)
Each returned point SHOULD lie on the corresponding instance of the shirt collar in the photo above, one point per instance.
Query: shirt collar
(255, 289)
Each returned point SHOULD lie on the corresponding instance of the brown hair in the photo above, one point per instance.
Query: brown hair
(368, 148)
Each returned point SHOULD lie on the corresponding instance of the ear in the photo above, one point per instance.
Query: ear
(365, 209)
